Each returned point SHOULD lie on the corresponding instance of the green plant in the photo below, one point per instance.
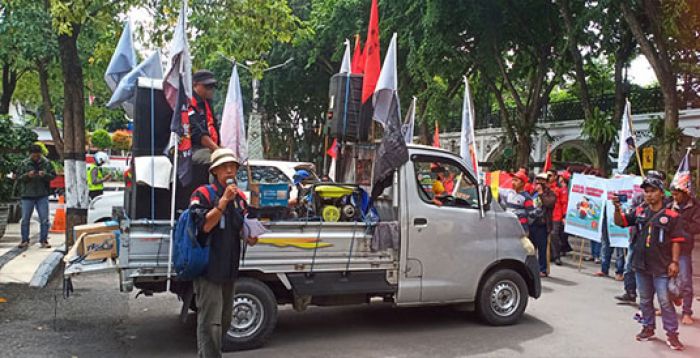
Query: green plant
(100, 139)
(600, 128)
(14, 147)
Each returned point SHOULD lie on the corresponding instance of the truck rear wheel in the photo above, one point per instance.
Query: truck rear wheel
(502, 298)
(254, 316)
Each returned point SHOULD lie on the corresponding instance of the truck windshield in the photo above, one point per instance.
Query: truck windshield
(444, 183)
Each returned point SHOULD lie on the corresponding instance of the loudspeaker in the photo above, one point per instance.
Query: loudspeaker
(152, 116)
(345, 122)
(151, 134)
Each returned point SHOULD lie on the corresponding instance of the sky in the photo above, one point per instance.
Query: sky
(640, 72)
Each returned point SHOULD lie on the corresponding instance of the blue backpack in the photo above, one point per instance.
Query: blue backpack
(189, 257)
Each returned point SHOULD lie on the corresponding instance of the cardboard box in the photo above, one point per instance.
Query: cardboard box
(107, 226)
(99, 246)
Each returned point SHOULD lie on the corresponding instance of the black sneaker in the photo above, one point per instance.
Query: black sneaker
(646, 334)
(627, 298)
(673, 342)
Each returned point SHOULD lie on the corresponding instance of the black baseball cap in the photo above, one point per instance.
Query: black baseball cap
(204, 77)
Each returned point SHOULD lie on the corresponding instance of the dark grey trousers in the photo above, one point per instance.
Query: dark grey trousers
(214, 313)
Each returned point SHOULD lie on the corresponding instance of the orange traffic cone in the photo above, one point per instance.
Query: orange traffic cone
(59, 218)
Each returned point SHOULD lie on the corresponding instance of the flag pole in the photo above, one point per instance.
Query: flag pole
(634, 138)
(172, 212)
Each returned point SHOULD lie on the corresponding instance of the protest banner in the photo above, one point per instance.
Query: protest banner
(624, 185)
(584, 214)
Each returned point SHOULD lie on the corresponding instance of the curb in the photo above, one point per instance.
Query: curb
(47, 268)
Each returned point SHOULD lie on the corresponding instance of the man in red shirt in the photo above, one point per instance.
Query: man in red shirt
(557, 216)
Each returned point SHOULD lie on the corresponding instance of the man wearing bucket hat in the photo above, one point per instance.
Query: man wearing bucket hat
(657, 246)
(689, 209)
(218, 211)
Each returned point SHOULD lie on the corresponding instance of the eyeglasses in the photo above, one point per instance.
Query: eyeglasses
(210, 86)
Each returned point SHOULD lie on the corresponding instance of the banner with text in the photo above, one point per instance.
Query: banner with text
(627, 185)
(584, 214)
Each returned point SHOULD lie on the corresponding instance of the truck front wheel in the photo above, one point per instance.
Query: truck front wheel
(502, 298)
(254, 316)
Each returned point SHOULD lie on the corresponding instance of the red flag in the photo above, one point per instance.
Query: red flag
(371, 55)
(436, 136)
(548, 159)
(333, 150)
(358, 58)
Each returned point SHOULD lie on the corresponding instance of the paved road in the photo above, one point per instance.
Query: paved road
(576, 317)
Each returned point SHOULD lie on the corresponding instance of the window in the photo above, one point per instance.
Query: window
(445, 183)
(264, 175)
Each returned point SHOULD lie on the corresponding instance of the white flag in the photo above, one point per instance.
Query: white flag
(180, 61)
(345, 65)
(387, 85)
(232, 121)
(123, 60)
(467, 140)
(409, 122)
(627, 140)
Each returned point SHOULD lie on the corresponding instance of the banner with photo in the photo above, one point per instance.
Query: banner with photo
(628, 185)
(584, 214)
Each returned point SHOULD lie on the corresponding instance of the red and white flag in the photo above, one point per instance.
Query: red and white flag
(180, 61)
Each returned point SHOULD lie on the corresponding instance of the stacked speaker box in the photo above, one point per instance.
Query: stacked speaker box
(151, 134)
(347, 121)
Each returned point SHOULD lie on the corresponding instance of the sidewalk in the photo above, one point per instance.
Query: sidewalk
(32, 265)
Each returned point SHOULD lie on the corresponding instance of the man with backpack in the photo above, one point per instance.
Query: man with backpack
(218, 212)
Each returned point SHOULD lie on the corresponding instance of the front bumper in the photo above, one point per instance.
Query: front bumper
(533, 269)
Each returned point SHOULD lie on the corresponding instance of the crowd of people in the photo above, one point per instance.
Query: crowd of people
(663, 225)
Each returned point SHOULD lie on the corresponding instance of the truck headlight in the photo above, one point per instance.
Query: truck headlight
(527, 245)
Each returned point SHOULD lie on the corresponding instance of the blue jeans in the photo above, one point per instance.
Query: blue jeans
(538, 236)
(607, 258)
(685, 273)
(648, 284)
(630, 279)
(595, 249)
(42, 208)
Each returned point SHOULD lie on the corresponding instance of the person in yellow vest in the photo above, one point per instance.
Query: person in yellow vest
(95, 177)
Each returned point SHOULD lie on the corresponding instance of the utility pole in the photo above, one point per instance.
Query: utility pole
(255, 147)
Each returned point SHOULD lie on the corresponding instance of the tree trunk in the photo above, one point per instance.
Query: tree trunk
(9, 82)
(666, 160)
(524, 147)
(47, 113)
(73, 132)
(660, 62)
(565, 12)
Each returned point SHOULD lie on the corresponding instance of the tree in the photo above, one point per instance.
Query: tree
(101, 139)
(655, 26)
(519, 59)
(597, 27)
(69, 19)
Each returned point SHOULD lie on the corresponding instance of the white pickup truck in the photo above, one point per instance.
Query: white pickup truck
(462, 252)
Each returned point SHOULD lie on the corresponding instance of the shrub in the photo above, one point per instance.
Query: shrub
(100, 139)
(14, 147)
(121, 140)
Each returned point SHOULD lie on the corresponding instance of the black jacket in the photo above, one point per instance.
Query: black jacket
(656, 231)
(690, 218)
(224, 240)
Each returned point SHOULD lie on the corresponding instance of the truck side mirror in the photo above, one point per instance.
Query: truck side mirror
(486, 196)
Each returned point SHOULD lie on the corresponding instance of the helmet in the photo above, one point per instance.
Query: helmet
(101, 158)
(300, 175)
